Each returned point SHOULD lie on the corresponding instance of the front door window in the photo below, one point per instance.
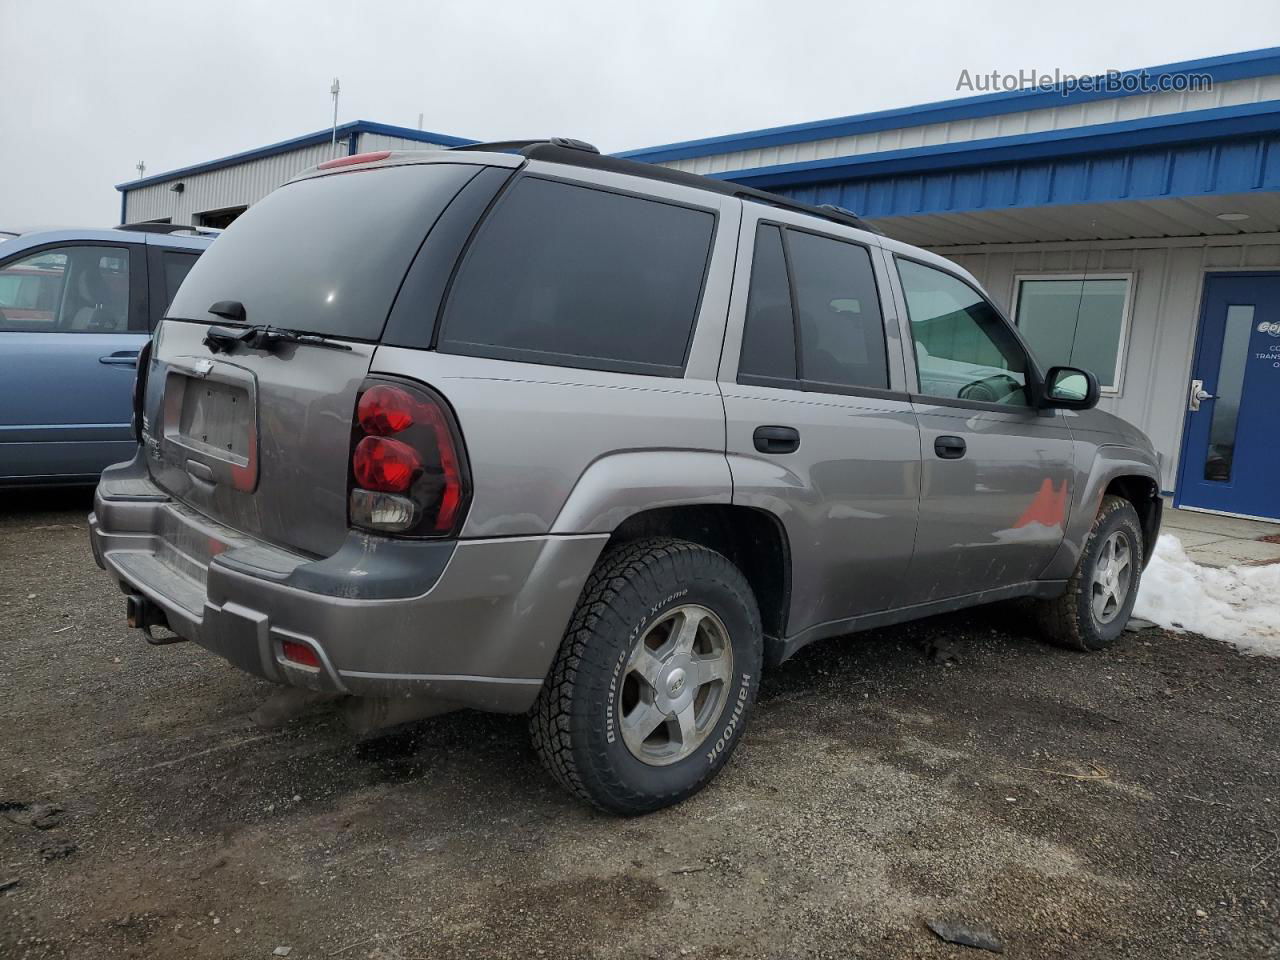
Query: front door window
(963, 348)
(73, 289)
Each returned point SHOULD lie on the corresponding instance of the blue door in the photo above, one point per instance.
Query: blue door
(1231, 453)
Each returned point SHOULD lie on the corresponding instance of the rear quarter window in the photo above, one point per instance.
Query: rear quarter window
(577, 276)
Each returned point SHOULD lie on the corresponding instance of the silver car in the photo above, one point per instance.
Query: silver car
(532, 429)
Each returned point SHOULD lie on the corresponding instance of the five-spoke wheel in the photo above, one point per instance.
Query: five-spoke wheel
(1112, 576)
(673, 690)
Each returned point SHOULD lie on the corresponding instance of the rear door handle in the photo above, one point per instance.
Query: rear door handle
(769, 439)
(121, 358)
(949, 448)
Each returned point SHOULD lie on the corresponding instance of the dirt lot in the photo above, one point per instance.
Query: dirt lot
(1117, 805)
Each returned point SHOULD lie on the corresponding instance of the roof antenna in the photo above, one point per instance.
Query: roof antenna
(1084, 276)
(334, 91)
(141, 167)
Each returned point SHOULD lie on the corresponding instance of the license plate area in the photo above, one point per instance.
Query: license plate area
(215, 418)
(210, 424)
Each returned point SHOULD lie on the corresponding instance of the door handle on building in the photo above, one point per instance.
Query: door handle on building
(1198, 395)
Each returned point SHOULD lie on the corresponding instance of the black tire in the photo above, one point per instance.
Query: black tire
(576, 725)
(1071, 620)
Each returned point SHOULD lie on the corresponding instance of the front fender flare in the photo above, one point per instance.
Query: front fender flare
(1109, 463)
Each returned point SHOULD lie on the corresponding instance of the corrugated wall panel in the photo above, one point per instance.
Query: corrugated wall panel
(1232, 93)
(233, 186)
(380, 141)
(1240, 165)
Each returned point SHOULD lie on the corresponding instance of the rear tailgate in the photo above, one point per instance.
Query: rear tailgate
(259, 438)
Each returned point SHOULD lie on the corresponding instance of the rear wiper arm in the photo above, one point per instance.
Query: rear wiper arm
(264, 337)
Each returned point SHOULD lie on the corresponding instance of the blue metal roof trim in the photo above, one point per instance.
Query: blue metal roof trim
(1200, 125)
(1241, 165)
(355, 127)
(1235, 66)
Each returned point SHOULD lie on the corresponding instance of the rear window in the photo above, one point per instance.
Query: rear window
(324, 255)
(575, 276)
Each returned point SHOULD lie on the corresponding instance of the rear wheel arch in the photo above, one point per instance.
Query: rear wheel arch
(753, 540)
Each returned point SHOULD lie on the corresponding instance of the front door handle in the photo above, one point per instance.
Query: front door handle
(949, 448)
(770, 439)
(121, 358)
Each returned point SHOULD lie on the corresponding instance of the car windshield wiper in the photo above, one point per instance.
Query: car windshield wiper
(264, 337)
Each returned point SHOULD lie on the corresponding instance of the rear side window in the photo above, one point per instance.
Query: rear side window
(829, 286)
(176, 266)
(769, 340)
(325, 255)
(841, 331)
(574, 276)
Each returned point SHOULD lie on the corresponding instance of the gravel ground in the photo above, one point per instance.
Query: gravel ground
(1124, 804)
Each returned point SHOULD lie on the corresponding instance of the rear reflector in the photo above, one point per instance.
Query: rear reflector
(354, 158)
(296, 652)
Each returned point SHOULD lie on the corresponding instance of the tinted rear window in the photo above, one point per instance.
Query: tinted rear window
(575, 276)
(324, 255)
(769, 340)
(841, 330)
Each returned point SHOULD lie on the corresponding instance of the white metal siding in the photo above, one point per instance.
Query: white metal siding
(1168, 282)
(237, 185)
(241, 184)
(1232, 93)
(380, 141)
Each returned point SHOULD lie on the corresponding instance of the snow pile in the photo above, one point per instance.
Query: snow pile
(1239, 605)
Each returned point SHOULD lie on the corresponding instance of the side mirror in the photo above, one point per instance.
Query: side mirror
(1071, 388)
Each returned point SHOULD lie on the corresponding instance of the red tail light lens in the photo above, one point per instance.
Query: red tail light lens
(385, 409)
(383, 464)
(408, 470)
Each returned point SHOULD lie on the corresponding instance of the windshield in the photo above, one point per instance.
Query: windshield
(324, 255)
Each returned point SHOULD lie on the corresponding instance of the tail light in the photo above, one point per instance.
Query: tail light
(140, 390)
(408, 473)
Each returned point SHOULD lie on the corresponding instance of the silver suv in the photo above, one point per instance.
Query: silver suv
(532, 429)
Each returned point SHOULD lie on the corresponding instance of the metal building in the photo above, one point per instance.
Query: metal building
(214, 193)
(1133, 230)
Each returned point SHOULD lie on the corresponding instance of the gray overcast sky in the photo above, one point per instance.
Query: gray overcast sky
(89, 88)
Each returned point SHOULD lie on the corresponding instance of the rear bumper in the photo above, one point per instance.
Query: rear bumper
(475, 623)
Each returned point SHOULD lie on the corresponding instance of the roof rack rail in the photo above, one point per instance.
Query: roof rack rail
(169, 228)
(568, 152)
(520, 146)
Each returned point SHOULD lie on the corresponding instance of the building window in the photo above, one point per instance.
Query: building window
(218, 219)
(1077, 321)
